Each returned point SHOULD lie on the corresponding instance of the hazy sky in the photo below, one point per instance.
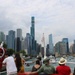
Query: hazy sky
(55, 17)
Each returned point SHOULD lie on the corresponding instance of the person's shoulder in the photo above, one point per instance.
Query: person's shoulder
(67, 67)
(9, 57)
(51, 65)
(57, 66)
(6, 58)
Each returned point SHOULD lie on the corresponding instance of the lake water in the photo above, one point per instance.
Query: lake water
(70, 62)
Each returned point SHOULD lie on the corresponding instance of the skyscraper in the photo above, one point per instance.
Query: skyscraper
(32, 31)
(10, 39)
(73, 48)
(65, 40)
(2, 37)
(60, 48)
(18, 44)
(19, 33)
(51, 44)
(33, 27)
(19, 40)
(28, 43)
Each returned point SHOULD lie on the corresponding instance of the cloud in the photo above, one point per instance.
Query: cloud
(55, 17)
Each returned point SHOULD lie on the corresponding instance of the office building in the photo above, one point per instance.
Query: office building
(51, 50)
(28, 44)
(65, 40)
(60, 48)
(33, 27)
(10, 40)
(32, 32)
(19, 34)
(19, 40)
(2, 37)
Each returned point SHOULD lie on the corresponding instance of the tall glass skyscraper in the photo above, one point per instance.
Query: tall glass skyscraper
(65, 40)
(33, 27)
(19, 33)
(28, 43)
(19, 40)
(10, 40)
(32, 31)
(51, 44)
(2, 37)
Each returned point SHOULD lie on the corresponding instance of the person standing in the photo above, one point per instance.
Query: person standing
(10, 64)
(19, 63)
(62, 68)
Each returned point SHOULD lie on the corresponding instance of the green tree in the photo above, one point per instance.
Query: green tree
(5, 45)
(23, 52)
(11, 51)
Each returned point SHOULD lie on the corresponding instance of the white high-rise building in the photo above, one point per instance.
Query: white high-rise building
(19, 34)
(51, 50)
(19, 39)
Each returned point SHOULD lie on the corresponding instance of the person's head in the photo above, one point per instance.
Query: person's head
(7, 53)
(38, 62)
(17, 55)
(62, 61)
(46, 61)
(39, 58)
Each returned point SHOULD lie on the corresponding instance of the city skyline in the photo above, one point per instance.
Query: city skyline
(54, 17)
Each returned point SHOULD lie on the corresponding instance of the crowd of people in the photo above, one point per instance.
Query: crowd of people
(15, 65)
(48, 69)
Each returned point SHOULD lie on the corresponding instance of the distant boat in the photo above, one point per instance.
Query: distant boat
(27, 64)
(52, 59)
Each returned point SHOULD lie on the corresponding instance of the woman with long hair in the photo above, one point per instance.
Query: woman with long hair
(19, 63)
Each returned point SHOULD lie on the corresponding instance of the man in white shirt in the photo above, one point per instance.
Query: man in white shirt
(10, 64)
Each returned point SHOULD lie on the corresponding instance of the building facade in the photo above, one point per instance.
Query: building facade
(65, 40)
(19, 40)
(28, 44)
(19, 33)
(32, 32)
(60, 48)
(10, 40)
(51, 49)
(2, 37)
